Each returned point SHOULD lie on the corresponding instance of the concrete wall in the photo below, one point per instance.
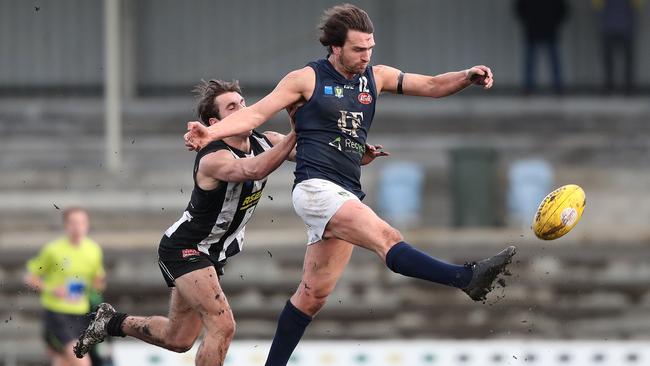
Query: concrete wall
(173, 44)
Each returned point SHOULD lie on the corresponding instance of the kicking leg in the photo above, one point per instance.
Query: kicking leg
(355, 222)
(324, 263)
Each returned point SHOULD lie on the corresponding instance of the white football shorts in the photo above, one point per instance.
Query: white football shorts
(316, 201)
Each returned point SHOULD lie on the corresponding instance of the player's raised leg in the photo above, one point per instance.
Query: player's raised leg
(323, 266)
(357, 223)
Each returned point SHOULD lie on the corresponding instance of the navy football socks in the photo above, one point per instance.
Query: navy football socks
(291, 326)
(408, 261)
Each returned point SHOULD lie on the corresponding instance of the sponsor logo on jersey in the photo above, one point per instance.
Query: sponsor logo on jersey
(348, 86)
(189, 253)
(251, 200)
(364, 98)
(336, 143)
(338, 91)
(328, 90)
(348, 146)
(354, 147)
(349, 122)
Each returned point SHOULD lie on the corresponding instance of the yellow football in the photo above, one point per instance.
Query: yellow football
(559, 212)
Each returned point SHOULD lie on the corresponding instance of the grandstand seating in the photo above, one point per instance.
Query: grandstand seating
(591, 284)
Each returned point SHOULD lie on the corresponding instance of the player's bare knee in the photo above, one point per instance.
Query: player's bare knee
(316, 304)
(228, 328)
(312, 308)
(389, 237)
(314, 301)
(221, 323)
(393, 236)
(310, 301)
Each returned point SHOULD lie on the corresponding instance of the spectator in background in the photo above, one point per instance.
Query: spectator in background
(64, 272)
(618, 29)
(541, 20)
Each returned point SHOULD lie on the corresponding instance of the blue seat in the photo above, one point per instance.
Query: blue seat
(400, 193)
(529, 181)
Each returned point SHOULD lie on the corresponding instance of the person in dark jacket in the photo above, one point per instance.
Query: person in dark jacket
(541, 22)
(618, 23)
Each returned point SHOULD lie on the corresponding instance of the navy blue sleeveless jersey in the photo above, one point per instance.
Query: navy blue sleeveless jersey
(333, 125)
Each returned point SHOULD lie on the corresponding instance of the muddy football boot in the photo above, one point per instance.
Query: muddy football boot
(486, 272)
(96, 331)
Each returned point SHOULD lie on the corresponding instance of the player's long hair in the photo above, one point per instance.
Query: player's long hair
(207, 91)
(336, 22)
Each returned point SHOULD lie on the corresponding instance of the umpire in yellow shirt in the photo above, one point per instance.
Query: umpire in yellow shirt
(64, 271)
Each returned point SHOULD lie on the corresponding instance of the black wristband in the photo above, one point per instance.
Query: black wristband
(400, 80)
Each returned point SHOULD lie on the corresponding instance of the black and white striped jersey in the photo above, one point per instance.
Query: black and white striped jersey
(214, 221)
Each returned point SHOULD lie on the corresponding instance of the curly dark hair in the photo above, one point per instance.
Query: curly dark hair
(336, 22)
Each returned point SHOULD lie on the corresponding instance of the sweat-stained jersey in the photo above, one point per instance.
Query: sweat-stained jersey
(333, 125)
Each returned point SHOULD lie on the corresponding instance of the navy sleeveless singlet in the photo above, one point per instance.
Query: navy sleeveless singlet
(333, 125)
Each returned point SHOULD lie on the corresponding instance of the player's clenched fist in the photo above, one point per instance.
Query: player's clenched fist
(480, 75)
(197, 136)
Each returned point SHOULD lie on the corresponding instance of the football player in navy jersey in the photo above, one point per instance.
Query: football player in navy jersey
(335, 99)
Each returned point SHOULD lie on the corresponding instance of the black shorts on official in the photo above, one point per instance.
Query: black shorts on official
(177, 262)
(60, 329)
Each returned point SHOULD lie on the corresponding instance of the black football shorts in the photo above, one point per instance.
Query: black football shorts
(177, 262)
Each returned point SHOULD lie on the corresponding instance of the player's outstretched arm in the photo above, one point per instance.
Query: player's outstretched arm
(387, 79)
(222, 166)
(289, 91)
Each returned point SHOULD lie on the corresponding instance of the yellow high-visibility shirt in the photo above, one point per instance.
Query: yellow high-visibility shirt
(60, 263)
